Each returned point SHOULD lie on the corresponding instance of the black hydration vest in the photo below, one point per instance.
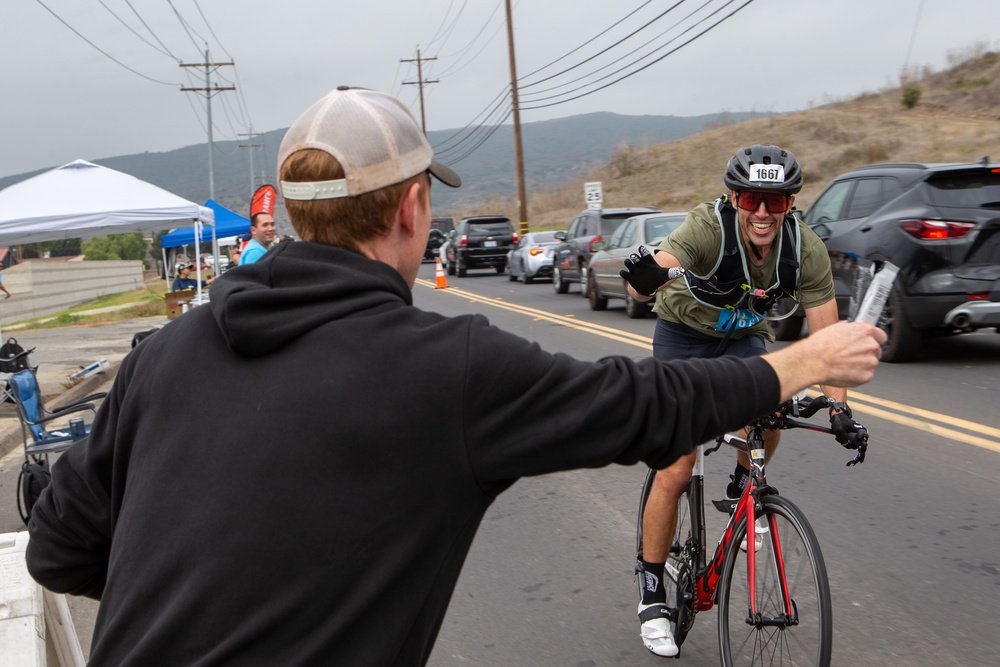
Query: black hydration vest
(727, 285)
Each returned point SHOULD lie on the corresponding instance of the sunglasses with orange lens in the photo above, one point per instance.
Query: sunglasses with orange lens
(750, 200)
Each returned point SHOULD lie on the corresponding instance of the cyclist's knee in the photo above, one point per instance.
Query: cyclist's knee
(674, 478)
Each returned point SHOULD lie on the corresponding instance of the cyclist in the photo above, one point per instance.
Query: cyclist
(741, 253)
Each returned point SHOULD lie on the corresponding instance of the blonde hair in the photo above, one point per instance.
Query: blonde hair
(348, 222)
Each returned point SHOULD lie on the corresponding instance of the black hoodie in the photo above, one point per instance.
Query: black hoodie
(294, 474)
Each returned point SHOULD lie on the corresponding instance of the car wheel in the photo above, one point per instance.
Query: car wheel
(526, 278)
(597, 302)
(451, 269)
(904, 341)
(789, 328)
(584, 283)
(634, 308)
(558, 284)
(501, 268)
(462, 270)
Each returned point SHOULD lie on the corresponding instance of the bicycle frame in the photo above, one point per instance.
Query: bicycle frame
(709, 574)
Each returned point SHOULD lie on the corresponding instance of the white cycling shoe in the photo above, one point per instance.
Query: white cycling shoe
(655, 630)
(759, 531)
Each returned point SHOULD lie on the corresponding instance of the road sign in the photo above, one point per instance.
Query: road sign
(593, 195)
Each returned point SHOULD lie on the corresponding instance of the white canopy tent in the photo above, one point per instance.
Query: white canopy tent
(83, 200)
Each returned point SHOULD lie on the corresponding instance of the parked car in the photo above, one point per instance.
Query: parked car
(572, 255)
(939, 223)
(480, 242)
(603, 277)
(532, 258)
(440, 227)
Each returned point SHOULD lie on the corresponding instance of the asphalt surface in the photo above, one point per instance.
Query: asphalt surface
(62, 351)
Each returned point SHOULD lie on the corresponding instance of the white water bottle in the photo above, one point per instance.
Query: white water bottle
(877, 294)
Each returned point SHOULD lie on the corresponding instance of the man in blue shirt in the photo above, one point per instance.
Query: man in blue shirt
(262, 227)
(185, 281)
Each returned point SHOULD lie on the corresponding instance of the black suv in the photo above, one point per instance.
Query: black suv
(481, 241)
(440, 228)
(939, 223)
(571, 256)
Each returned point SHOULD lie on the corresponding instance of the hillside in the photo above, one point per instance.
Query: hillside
(555, 151)
(955, 119)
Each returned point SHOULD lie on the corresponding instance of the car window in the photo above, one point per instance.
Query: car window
(574, 229)
(616, 238)
(489, 228)
(628, 237)
(830, 203)
(544, 237)
(611, 224)
(658, 229)
(869, 195)
(970, 190)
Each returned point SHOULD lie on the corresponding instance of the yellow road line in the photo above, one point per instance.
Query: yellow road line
(905, 415)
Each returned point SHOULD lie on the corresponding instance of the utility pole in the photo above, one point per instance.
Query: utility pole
(518, 153)
(208, 90)
(421, 83)
(251, 146)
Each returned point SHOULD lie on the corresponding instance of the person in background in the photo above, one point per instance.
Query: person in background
(185, 281)
(4, 289)
(262, 227)
(234, 256)
(340, 503)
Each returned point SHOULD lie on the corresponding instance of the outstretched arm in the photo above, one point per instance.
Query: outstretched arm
(844, 354)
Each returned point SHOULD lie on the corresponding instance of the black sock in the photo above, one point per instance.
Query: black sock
(652, 583)
(740, 478)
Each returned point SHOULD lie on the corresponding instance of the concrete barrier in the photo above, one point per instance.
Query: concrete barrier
(46, 286)
(35, 625)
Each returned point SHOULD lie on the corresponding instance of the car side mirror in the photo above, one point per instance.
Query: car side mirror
(599, 245)
(822, 231)
(559, 236)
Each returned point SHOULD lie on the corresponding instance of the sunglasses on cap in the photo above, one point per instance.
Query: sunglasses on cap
(749, 200)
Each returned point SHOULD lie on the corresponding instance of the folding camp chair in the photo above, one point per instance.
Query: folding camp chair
(13, 363)
(40, 438)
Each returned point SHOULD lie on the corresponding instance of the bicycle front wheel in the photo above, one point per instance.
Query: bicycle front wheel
(788, 559)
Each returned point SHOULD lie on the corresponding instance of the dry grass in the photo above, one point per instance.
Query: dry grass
(955, 120)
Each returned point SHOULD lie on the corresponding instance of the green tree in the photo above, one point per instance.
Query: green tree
(116, 246)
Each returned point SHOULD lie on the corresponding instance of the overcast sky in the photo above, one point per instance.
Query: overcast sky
(64, 99)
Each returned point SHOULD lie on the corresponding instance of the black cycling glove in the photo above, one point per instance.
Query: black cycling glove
(645, 275)
(843, 426)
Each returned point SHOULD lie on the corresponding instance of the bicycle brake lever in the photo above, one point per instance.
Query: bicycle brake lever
(862, 441)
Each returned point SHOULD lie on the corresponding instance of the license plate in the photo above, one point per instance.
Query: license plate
(489, 244)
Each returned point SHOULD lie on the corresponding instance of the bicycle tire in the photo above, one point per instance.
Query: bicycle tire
(678, 581)
(807, 642)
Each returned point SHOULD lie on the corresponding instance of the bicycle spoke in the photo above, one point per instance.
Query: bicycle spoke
(777, 635)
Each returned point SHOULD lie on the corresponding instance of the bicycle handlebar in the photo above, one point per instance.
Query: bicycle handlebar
(785, 418)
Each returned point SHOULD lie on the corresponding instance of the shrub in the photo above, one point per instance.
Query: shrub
(911, 95)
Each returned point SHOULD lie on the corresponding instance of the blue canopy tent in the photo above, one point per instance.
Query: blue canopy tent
(227, 223)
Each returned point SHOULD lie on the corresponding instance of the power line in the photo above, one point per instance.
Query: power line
(141, 20)
(133, 31)
(99, 49)
(634, 72)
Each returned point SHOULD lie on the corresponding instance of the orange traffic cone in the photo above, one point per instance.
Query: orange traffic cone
(442, 282)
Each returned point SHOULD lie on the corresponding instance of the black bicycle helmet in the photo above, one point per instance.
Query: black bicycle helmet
(740, 174)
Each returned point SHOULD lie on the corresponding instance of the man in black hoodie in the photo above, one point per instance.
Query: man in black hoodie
(329, 526)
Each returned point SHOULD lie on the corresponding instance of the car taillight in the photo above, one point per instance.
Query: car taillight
(934, 230)
(516, 239)
(464, 240)
(536, 251)
(594, 240)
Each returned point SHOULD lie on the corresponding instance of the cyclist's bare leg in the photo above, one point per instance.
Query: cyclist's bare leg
(659, 519)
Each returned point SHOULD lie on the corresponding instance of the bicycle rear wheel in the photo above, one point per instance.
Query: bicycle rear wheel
(678, 583)
(803, 637)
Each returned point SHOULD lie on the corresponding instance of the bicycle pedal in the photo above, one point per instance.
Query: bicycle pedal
(728, 505)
